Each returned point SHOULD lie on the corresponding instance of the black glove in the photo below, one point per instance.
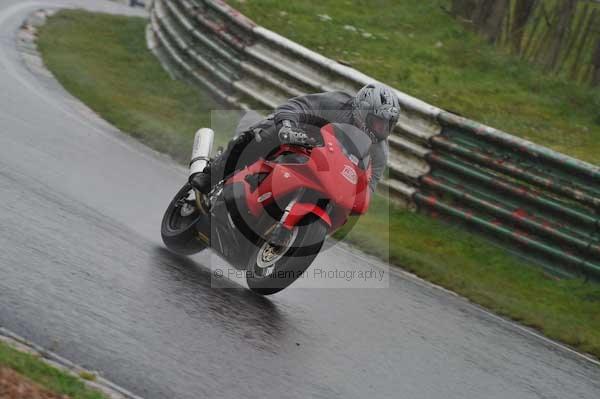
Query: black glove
(294, 136)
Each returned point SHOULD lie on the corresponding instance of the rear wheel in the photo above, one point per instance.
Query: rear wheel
(178, 228)
(273, 267)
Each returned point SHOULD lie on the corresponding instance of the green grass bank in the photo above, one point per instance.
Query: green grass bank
(416, 47)
(118, 78)
(48, 377)
(104, 62)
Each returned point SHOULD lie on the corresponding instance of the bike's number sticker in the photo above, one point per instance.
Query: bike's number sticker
(350, 174)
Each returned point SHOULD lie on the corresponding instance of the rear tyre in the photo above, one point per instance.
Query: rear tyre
(272, 268)
(178, 228)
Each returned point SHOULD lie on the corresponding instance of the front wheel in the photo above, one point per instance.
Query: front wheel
(178, 228)
(273, 267)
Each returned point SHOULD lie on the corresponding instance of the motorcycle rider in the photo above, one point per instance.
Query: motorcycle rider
(375, 110)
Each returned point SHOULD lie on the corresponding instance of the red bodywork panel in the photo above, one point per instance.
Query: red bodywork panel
(300, 209)
(328, 172)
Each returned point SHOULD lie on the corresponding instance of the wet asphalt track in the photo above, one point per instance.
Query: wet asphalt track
(83, 272)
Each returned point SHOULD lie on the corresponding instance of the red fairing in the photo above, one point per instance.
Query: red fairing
(327, 171)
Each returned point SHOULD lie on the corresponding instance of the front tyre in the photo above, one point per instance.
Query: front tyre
(272, 267)
(178, 228)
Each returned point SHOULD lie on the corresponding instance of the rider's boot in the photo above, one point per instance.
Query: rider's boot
(211, 175)
(221, 166)
(201, 181)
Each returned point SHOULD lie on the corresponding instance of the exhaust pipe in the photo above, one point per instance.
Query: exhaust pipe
(203, 143)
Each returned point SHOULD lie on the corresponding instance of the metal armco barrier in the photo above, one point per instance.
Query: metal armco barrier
(529, 197)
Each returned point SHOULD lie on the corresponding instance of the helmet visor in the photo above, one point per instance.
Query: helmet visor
(378, 126)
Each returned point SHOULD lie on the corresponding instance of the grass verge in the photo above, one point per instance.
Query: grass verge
(566, 310)
(104, 62)
(55, 381)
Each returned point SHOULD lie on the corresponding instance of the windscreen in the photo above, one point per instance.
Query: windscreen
(354, 142)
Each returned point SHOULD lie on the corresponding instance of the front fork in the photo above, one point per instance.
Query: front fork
(293, 215)
(281, 232)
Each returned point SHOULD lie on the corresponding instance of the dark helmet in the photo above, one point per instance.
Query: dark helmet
(376, 110)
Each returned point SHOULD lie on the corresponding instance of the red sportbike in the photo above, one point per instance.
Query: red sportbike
(272, 217)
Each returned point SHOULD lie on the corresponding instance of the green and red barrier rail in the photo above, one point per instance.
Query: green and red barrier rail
(541, 203)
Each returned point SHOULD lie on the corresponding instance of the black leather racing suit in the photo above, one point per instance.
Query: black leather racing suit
(310, 113)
